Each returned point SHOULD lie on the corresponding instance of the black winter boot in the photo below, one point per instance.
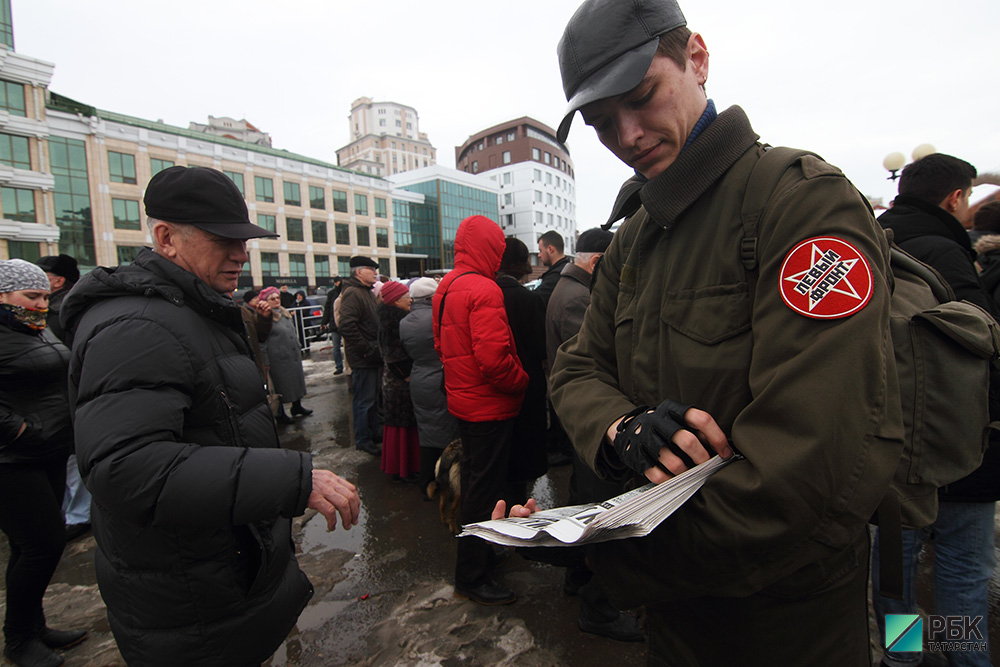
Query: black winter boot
(31, 653)
(61, 638)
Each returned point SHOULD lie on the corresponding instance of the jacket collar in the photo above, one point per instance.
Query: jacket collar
(574, 272)
(910, 217)
(696, 168)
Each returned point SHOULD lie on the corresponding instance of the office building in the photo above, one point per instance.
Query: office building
(385, 140)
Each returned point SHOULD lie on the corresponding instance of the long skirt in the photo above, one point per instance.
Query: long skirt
(400, 450)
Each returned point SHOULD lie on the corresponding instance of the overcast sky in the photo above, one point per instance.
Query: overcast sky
(852, 80)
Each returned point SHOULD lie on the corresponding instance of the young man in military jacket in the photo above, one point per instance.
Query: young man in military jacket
(784, 351)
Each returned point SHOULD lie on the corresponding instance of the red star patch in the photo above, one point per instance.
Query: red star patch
(825, 278)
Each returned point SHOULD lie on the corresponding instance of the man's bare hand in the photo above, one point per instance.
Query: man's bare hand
(332, 494)
(263, 308)
(527, 509)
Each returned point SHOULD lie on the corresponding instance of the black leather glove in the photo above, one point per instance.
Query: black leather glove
(645, 431)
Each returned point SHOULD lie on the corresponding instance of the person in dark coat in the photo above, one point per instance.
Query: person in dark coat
(63, 273)
(986, 223)
(551, 252)
(329, 324)
(926, 220)
(526, 315)
(358, 325)
(193, 494)
(400, 439)
(36, 437)
(436, 426)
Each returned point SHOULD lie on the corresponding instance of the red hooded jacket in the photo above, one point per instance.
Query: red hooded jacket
(483, 376)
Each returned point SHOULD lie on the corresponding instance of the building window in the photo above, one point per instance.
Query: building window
(506, 157)
(263, 189)
(297, 265)
(342, 233)
(266, 221)
(126, 214)
(381, 122)
(394, 145)
(508, 199)
(548, 179)
(127, 253)
(343, 266)
(293, 229)
(539, 218)
(156, 165)
(317, 197)
(511, 136)
(551, 221)
(380, 211)
(538, 175)
(292, 195)
(475, 166)
(319, 231)
(71, 199)
(122, 167)
(363, 234)
(506, 178)
(555, 162)
(548, 158)
(12, 98)
(269, 265)
(321, 263)
(340, 201)
(6, 25)
(361, 205)
(548, 199)
(381, 237)
(499, 140)
(14, 151)
(538, 196)
(29, 252)
(236, 178)
(536, 154)
(18, 204)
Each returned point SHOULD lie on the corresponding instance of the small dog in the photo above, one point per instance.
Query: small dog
(447, 484)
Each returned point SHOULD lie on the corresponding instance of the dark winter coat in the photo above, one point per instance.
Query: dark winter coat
(526, 315)
(52, 319)
(937, 238)
(193, 496)
(566, 308)
(33, 392)
(284, 358)
(327, 320)
(988, 257)
(437, 426)
(482, 374)
(398, 408)
(550, 278)
(358, 325)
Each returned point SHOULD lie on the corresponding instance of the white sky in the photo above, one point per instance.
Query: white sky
(852, 80)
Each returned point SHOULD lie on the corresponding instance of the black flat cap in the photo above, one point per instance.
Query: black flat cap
(360, 260)
(61, 265)
(594, 240)
(204, 198)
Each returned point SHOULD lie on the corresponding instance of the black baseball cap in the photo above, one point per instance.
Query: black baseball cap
(607, 48)
(204, 198)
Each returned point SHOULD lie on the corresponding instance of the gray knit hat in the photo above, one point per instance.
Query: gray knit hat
(17, 275)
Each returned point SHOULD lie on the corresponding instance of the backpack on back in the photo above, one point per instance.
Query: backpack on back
(945, 351)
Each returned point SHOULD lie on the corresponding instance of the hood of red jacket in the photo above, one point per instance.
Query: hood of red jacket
(479, 245)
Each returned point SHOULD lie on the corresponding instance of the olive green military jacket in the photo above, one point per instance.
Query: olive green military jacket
(811, 403)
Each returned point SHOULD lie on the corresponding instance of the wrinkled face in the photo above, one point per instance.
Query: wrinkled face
(648, 126)
(216, 260)
(274, 299)
(367, 275)
(32, 299)
(403, 303)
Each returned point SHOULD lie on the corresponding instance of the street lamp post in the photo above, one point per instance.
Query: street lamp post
(894, 162)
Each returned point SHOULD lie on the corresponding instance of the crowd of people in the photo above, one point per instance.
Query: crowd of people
(150, 398)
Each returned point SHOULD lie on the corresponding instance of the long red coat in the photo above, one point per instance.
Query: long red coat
(483, 376)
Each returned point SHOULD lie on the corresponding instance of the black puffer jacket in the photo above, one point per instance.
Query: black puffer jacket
(936, 237)
(33, 392)
(192, 494)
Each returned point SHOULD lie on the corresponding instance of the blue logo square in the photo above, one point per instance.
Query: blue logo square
(904, 632)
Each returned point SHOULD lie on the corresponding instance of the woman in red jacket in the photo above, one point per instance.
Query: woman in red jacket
(485, 384)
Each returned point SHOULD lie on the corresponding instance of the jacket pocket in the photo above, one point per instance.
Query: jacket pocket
(708, 315)
(624, 334)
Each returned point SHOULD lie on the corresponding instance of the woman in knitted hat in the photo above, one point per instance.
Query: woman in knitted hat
(400, 441)
(36, 437)
(437, 426)
(284, 358)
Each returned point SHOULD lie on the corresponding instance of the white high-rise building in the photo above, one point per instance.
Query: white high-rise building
(385, 139)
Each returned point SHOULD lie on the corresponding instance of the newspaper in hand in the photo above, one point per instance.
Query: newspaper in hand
(632, 514)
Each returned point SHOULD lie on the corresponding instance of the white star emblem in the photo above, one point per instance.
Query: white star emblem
(827, 273)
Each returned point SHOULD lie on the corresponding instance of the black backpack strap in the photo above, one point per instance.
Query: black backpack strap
(890, 544)
(443, 295)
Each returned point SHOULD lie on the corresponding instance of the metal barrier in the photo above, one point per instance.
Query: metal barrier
(306, 320)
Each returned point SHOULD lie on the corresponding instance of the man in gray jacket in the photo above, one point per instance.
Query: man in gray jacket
(193, 495)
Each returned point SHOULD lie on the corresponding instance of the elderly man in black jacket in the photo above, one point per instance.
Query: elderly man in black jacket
(193, 495)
